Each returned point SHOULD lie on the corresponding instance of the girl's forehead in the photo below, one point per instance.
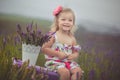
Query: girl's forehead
(66, 14)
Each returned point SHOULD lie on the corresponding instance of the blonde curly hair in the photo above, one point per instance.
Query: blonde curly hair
(54, 26)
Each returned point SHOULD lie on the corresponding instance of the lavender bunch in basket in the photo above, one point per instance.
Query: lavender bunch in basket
(33, 36)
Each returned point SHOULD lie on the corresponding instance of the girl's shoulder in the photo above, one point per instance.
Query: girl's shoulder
(73, 39)
(51, 33)
(76, 46)
(51, 39)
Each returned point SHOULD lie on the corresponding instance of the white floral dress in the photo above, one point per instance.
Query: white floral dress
(54, 63)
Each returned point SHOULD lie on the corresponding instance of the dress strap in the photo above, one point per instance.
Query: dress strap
(56, 38)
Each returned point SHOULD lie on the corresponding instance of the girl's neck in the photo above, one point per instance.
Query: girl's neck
(64, 37)
(64, 32)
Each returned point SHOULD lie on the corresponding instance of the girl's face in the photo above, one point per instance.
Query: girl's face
(65, 21)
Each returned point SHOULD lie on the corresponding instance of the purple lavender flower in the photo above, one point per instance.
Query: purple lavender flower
(39, 32)
(18, 62)
(4, 42)
(16, 40)
(38, 69)
(19, 29)
(92, 74)
(97, 60)
(29, 28)
(34, 37)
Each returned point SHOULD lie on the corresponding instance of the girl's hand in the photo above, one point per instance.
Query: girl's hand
(71, 57)
(62, 55)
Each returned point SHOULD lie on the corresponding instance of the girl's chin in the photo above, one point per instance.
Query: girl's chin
(66, 29)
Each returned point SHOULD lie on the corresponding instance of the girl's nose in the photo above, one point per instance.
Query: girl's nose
(66, 21)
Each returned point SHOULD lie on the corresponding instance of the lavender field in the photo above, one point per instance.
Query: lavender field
(99, 57)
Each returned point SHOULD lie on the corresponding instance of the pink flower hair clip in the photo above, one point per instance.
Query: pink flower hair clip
(57, 10)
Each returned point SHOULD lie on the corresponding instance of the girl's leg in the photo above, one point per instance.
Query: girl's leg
(76, 73)
(64, 73)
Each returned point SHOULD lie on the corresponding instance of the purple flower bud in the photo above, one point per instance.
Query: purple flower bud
(34, 36)
(37, 69)
(18, 27)
(16, 40)
(29, 27)
(39, 32)
(4, 41)
(23, 34)
(91, 74)
(18, 62)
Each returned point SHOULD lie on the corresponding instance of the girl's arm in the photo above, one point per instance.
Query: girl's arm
(75, 53)
(73, 56)
(46, 49)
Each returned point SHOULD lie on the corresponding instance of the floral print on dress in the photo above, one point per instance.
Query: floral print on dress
(54, 63)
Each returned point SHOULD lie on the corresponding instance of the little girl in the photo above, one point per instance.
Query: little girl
(61, 50)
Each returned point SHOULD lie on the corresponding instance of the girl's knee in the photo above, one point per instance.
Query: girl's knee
(64, 72)
(77, 70)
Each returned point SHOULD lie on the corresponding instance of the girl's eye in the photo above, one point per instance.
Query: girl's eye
(63, 19)
(70, 20)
